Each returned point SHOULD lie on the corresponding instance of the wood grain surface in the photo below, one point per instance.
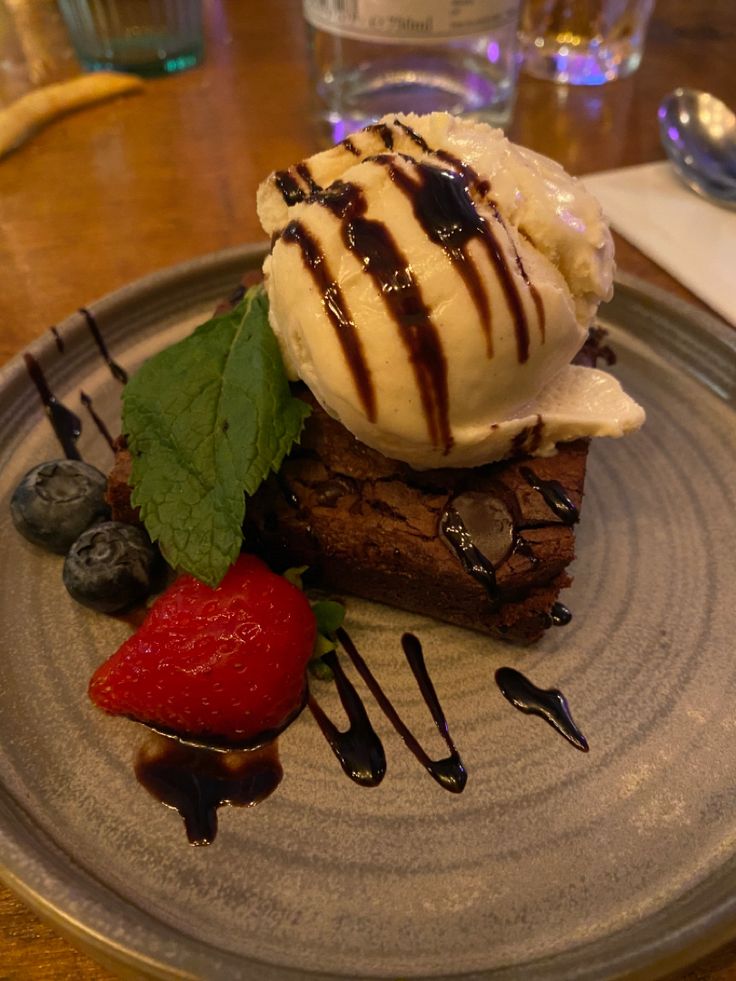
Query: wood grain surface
(112, 193)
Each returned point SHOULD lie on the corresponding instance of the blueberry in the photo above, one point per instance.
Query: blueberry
(110, 566)
(56, 501)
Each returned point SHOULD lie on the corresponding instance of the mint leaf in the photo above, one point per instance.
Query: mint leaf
(207, 420)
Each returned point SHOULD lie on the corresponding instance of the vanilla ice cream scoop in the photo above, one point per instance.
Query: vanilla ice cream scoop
(430, 282)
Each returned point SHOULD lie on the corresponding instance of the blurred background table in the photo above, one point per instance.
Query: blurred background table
(112, 193)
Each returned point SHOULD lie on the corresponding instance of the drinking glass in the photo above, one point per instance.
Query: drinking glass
(147, 37)
(583, 42)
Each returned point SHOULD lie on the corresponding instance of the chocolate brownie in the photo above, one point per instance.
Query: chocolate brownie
(368, 526)
(372, 527)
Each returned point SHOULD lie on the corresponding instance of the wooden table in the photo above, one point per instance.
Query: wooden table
(112, 193)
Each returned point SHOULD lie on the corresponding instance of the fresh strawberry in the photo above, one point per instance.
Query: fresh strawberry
(225, 664)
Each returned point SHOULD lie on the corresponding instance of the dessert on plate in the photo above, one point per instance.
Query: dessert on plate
(401, 410)
(433, 288)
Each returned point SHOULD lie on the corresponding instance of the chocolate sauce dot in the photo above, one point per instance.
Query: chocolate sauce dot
(560, 615)
(549, 704)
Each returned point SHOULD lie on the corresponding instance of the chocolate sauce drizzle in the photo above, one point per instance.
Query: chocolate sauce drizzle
(289, 187)
(448, 217)
(196, 782)
(533, 291)
(306, 175)
(381, 259)
(101, 427)
(350, 147)
(448, 772)
(384, 132)
(549, 704)
(453, 531)
(59, 340)
(358, 749)
(443, 207)
(482, 533)
(335, 306)
(414, 136)
(66, 425)
(527, 440)
(120, 374)
(555, 496)
(482, 187)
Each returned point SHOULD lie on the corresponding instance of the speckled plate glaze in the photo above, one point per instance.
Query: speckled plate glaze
(552, 864)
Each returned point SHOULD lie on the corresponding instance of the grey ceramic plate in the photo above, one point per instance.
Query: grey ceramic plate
(552, 863)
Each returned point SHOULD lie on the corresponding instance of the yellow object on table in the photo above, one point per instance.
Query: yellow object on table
(24, 116)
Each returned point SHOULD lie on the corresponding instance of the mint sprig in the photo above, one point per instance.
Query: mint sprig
(206, 421)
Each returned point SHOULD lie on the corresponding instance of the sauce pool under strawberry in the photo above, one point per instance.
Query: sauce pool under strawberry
(196, 782)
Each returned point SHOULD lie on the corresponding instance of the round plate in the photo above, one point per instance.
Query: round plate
(552, 863)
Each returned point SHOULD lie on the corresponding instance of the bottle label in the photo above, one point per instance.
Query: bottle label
(400, 21)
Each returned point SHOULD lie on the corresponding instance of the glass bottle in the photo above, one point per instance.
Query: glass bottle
(372, 57)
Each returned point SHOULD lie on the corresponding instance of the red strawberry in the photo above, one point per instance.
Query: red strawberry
(227, 663)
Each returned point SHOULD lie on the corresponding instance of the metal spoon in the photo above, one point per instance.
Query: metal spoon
(698, 131)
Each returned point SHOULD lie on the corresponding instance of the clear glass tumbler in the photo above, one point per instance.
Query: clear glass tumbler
(147, 37)
(583, 42)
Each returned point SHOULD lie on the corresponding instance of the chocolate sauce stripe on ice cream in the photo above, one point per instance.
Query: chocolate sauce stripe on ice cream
(373, 243)
(336, 308)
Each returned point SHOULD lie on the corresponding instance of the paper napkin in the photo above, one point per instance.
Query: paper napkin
(694, 240)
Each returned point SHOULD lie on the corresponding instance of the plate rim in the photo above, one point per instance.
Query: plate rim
(681, 948)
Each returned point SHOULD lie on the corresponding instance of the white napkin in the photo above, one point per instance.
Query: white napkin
(694, 240)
